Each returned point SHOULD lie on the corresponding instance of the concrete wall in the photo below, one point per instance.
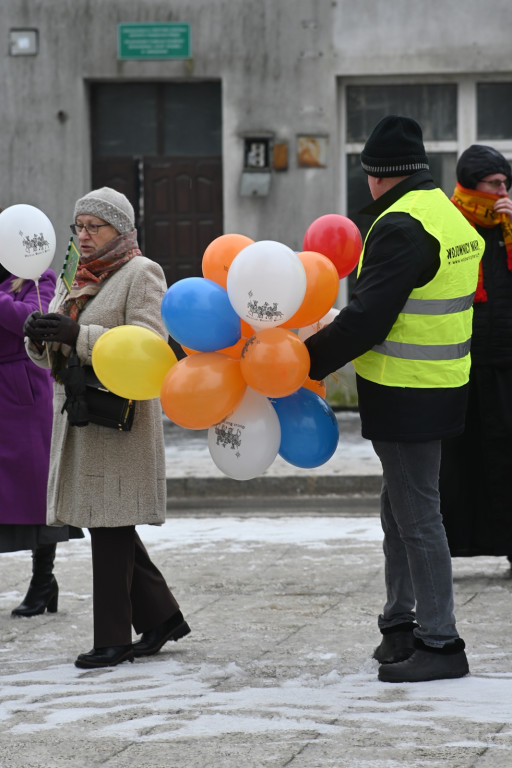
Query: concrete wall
(278, 60)
(417, 37)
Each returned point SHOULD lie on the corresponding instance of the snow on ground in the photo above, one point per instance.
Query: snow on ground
(286, 680)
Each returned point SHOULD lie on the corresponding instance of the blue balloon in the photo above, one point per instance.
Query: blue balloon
(198, 314)
(309, 428)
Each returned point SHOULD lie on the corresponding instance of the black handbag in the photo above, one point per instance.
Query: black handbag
(87, 400)
(104, 407)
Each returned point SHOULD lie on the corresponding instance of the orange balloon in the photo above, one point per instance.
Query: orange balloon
(275, 362)
(220, 253)
(246, 330)
(235, 350)
(204, 389)
(316, 386)
(322, 285)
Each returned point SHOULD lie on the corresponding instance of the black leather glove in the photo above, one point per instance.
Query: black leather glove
(55, 327)
(29, 325)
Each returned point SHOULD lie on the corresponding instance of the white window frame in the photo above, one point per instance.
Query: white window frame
(466, 117)
(466, 124)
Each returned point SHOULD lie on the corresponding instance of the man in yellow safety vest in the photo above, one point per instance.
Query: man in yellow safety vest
(407, 328)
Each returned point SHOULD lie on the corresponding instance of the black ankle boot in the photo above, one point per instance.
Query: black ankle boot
(43, 590)
(428, 663)
(397, 643)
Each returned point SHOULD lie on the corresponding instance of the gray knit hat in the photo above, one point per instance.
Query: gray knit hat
(109, 205)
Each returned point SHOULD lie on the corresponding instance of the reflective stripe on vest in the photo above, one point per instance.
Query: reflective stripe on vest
(429, 344)
(438, 306)
(423, 351)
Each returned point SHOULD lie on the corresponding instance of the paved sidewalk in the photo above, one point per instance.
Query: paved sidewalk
(282, 593)
(353, 469)
(277, 672)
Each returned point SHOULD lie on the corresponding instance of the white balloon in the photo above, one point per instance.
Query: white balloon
(245, 444)
(308, 330)
(27, 241)
(266, 283)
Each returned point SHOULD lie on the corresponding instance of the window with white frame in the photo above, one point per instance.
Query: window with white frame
(453, 114)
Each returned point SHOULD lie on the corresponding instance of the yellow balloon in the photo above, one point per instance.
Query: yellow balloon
(132, 361)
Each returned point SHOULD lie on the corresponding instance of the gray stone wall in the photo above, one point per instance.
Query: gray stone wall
(279, 61)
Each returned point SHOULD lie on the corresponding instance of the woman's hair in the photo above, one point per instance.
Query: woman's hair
(17, 284)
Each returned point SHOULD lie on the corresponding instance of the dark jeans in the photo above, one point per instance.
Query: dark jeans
(128, 589)
(418, 567)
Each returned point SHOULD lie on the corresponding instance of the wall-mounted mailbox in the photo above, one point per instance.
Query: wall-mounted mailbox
(255, 184)
(256, 174)
(257, 154)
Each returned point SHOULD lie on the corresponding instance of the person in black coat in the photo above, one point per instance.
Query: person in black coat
(408, 327)
(476, 467)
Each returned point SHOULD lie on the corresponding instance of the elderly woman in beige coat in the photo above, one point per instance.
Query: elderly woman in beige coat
(107, 480)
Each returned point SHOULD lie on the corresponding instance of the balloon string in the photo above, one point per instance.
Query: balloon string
(38, 296)
(41, 310)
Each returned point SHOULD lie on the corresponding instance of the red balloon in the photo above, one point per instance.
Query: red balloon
(336, 237)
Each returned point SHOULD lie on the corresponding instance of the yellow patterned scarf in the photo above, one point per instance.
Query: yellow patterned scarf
(478, 209)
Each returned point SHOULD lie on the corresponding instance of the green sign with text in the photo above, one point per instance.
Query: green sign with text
(153, 41)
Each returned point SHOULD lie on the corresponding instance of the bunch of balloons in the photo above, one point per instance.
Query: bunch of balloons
(245, 377)
(242, 325)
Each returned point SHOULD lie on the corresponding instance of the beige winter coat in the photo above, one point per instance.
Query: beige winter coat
(100, 477)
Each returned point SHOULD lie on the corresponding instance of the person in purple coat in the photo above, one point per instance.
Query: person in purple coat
(25, 431)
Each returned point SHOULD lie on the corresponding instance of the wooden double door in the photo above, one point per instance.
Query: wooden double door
(177, 202)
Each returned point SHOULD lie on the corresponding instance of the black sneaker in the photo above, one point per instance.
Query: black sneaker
(427, 663)
(397, 643)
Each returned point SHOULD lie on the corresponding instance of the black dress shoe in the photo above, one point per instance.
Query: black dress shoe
(105, 657)
(152, 640)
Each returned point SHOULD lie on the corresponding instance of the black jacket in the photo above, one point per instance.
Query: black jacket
(492, 320)
(399, 256)
(476, 468)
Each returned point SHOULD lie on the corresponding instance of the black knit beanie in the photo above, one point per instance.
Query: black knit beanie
(394, 148)
(478, 161)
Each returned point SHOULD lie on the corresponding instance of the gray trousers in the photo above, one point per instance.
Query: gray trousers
(418, 566)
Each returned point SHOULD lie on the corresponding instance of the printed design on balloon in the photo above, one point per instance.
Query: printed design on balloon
(35, 244)
(263, 311)
(248, 344)
(227, 437)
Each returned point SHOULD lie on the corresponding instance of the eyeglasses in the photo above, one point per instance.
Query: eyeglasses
(91, 229)
(496, 183)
